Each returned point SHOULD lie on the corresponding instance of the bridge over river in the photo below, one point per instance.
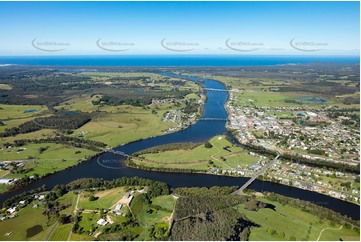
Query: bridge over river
(254, 177)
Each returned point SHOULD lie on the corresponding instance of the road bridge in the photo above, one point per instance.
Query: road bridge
(254, 177)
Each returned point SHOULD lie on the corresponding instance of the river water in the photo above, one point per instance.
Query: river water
(109, 165)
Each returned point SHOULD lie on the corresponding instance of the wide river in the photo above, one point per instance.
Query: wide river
(110, 166)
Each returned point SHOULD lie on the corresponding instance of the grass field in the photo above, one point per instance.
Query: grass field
(289, 221)
(105, 200)
(263, 97)
(167, 202)
(27, 218)
(148, 217)
(198, 157)
(81, 237)
(68, 199)
(3, 188)
(5, 86)
(88, 222)
(56, 157)
(3, 172)
(116, 129)
(19, 111)
(54, 151)
(274, 99)
(61, 232)
(40, 134)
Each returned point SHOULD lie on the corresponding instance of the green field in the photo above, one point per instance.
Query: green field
(8, 112)
(3, 188)
(61, 232)
(27, 218)
(56, 157)
(290, 221)
(68, 200)
(274, 99)
(148, 216)
(105, 200)
(199, 157)
(123, 127)
(3, 172)
(262, 96)
(88, 222)
(81, 237)
(54, 151)
(166, 202)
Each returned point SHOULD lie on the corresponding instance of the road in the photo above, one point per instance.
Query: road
(52, 230)
(74, 212)
(254, 177)
(319, 236)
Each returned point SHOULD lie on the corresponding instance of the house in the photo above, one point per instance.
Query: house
(126, 196)
(5, 181)
(22, 202)
(102, 222)
(118, 207)
(11, 210)
(41, 197)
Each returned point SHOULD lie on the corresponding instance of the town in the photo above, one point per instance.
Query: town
(308, 133)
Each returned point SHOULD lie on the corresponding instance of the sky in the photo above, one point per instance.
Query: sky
(118, 28)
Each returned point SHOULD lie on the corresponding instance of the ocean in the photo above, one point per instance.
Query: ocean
(173, 60)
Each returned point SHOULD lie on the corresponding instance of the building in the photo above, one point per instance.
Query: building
(118, 207)
(102, 222)
(6, 181)
(11, 210)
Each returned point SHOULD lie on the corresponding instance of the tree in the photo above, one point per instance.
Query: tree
(63, 219)
(92, 198)
(208, 145)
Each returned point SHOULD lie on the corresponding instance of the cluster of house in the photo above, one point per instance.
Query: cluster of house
(6, 165)
(182, 119)
(125, 200)
(306, 177)
(161, 102)
(246, 170)
(12, 211)
(255, 124)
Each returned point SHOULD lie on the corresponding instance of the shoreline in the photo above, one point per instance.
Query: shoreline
(192, 171)
(178, 171)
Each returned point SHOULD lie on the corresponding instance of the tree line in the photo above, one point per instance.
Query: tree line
(62, 122)
(66, 140)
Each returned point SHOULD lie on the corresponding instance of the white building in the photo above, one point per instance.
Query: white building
(102, 222)
(118, 207)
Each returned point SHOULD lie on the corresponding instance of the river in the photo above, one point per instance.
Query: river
(110, 166)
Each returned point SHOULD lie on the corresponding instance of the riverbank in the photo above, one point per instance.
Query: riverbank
(199, 132)
(234, 173)
(153, 203)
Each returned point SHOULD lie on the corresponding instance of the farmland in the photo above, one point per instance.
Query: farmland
(93, 108)
(147, 213)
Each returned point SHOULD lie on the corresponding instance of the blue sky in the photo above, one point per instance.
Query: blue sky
(330, 28)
